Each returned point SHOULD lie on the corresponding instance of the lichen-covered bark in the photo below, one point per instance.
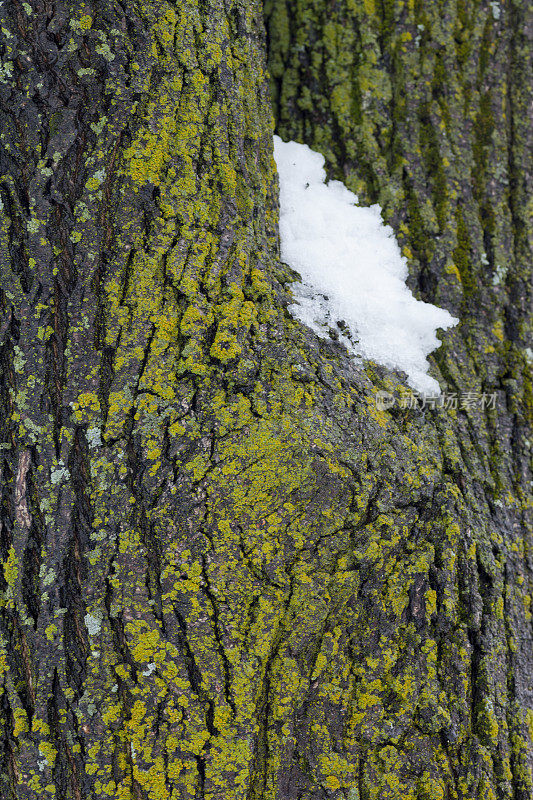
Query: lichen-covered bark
(226, 572)
(426, 109)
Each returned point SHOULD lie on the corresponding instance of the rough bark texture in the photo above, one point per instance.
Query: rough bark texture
(226, 572)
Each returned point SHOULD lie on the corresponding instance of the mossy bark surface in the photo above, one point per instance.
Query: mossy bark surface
(227, 573)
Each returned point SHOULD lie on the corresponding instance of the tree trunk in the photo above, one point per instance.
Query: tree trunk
(226, 572)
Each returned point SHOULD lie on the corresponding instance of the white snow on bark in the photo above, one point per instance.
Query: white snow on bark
(352, 270)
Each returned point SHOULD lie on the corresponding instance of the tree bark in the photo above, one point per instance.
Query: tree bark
(226, 572)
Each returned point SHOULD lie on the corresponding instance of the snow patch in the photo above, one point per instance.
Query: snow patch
(353, 274)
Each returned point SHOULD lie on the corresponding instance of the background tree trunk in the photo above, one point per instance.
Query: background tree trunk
(226, 572)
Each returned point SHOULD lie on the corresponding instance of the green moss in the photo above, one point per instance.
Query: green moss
(434, 167)
(462, 256)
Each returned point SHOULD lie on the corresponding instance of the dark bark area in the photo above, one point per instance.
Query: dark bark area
(226, 572)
